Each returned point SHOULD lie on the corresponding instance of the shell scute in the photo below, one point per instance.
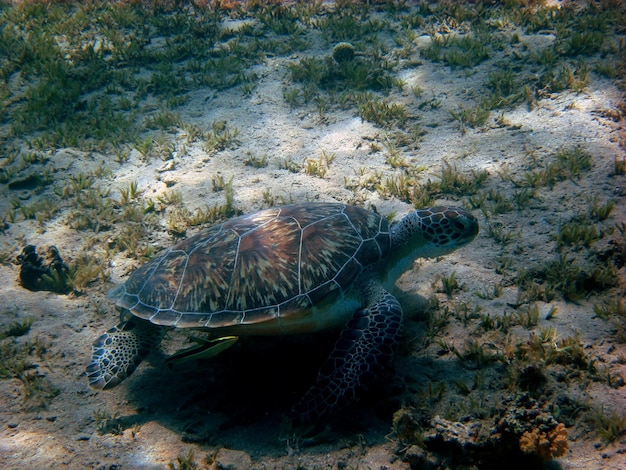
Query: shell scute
(122, 299)
(364, 221)
(136, 281)
(245, 223)
(161, 289)
(208, 273)
(295, 306)
(226, 318)
(161, 317)
(326, 292)
(259, 315)
(327, 245)
(307, 214)
(350, 270)
(144, 311)
(370, 251)
(383, 239)
(195, 321)
(266, 269)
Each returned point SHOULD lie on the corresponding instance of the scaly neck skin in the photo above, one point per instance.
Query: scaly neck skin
(406, 246)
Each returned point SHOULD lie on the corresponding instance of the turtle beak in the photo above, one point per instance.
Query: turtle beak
(470, 227)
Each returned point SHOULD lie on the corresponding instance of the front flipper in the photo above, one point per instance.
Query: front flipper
(364, 348)
(118, 352)
(205, 349)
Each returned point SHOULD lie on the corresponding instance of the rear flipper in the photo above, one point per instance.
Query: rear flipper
(118, 352)
(364, 348)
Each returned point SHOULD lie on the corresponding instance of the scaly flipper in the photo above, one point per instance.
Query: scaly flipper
(118, 352)
(361, 353)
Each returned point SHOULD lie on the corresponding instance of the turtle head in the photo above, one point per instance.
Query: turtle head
(438, 230)
(428, 233)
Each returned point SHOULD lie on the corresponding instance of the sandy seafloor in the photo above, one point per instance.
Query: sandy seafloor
(232, 410)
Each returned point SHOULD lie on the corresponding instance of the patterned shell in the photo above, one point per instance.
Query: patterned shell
(271, 264)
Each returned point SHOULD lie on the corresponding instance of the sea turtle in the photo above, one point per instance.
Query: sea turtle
(290, 269)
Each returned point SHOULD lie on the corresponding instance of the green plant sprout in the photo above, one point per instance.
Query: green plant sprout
(17, 328)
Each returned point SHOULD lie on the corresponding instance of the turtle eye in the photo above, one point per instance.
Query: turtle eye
(459, 225)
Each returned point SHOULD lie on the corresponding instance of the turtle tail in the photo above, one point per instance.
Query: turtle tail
(118, 352)
(363, 350)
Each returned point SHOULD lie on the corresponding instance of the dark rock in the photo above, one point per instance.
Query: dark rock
(516, 434)
(228, 459)
(49, 273)
(31, 181)
(417, 458)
